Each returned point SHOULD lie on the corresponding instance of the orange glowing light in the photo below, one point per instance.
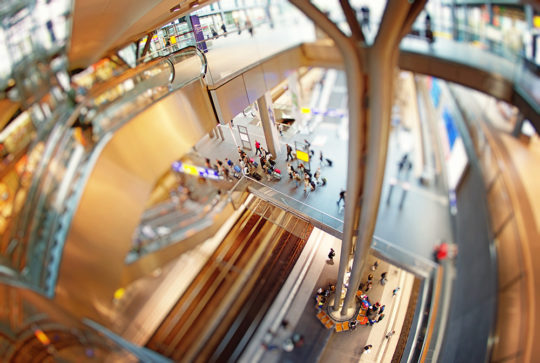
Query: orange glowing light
(42, 337)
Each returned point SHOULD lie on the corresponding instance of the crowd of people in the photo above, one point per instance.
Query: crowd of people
(263, 164)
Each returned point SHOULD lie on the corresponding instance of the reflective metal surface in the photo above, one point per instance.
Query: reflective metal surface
(117, 189)
(145, 265)
(234, 93)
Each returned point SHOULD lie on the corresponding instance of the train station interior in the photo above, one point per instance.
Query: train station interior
(269, 181)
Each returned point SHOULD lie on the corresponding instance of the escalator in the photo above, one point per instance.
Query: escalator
(217, 315)
(87, 193)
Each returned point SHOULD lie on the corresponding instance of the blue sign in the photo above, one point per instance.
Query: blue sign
(451, 129)
(435, 91)
(181, 167)
(331, 112)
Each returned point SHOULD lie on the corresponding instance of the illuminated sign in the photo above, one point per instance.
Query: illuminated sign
(181, 167)
(331, 112)
(300, 155)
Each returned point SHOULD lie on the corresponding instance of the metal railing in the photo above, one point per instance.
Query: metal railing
(318, 218)
(418, 265)
(131, 94)
(504, 224)
(195, 222)
(36, 242)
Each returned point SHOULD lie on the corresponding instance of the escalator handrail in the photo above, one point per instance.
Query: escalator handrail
(29, 219)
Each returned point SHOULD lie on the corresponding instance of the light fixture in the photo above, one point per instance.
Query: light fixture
(174, 8)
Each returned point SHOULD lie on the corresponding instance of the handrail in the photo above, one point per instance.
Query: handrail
(296, 200)
(141, 98)
(39, 224)
(207, 213)
(250, 184)
(417, 264)
(474, 123)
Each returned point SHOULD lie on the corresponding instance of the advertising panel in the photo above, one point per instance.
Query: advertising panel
(199, 35)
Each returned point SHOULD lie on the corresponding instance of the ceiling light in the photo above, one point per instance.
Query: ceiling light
(174, 8)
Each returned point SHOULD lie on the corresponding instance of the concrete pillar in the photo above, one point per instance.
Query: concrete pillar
(529, 14)
(296, 100)
(220, 132)
(454, 20)
(268, 121)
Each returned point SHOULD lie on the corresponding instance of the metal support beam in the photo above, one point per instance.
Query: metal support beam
(350, 15)
(413, 13)
(353, 57)
(266, 111)
(147, 45)
(382, 62)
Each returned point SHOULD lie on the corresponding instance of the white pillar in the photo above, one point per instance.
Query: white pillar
(268, 121)
(296, 99)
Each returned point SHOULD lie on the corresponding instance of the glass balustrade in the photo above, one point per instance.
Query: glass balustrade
(50, 199)
(318, 218)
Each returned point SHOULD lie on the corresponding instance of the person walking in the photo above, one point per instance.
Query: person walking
(249, 27)
(383, 281)
(381, 317)
(368, 286)
(321, 157)
(367, 348)
(370, 278)
(341, 197)
(381, 310)
(395, 291)
(258, 148)
(375, 265)
(290, 170)
(331, 254)
(289, 152)
(402, 162)
(296, 178)
(317, 175)
(390, 334)
(306, 184)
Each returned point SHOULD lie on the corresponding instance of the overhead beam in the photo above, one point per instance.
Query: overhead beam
(147, 44)
(350, 15)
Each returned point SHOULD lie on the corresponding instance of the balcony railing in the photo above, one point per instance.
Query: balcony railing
(36, 242)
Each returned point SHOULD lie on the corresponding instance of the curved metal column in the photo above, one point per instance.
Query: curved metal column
(382, 62)
(370, 74)
(353, 54)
